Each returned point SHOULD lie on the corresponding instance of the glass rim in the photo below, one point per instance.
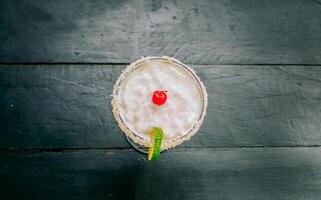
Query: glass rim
(134, 135)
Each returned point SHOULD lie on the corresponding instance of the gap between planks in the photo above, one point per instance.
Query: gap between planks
(130, 148)
(107, 63)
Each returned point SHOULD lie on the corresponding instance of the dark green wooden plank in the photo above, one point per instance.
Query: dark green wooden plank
(58, 106)
(202, 32)
(264, 173)
(69, 106)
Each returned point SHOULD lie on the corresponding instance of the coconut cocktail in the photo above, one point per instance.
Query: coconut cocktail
(159, 103)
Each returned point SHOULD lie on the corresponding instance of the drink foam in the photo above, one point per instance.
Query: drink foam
(177, 116)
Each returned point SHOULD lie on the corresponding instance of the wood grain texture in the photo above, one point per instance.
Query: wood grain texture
(263, 173)
(198, 32)
(68, 106)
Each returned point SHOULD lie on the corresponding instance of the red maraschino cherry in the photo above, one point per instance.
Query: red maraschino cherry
(159, 97)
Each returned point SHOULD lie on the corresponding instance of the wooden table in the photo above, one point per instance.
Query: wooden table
(260, 61)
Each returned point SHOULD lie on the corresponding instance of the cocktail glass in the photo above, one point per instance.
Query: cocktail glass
(134, 138)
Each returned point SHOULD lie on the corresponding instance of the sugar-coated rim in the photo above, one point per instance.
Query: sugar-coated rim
(131, 134)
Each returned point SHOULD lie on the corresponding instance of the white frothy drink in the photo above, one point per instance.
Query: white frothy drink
(181, 112)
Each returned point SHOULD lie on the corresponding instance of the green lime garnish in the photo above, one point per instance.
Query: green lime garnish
(154, 150)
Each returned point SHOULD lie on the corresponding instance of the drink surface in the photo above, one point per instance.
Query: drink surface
(177, 116)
